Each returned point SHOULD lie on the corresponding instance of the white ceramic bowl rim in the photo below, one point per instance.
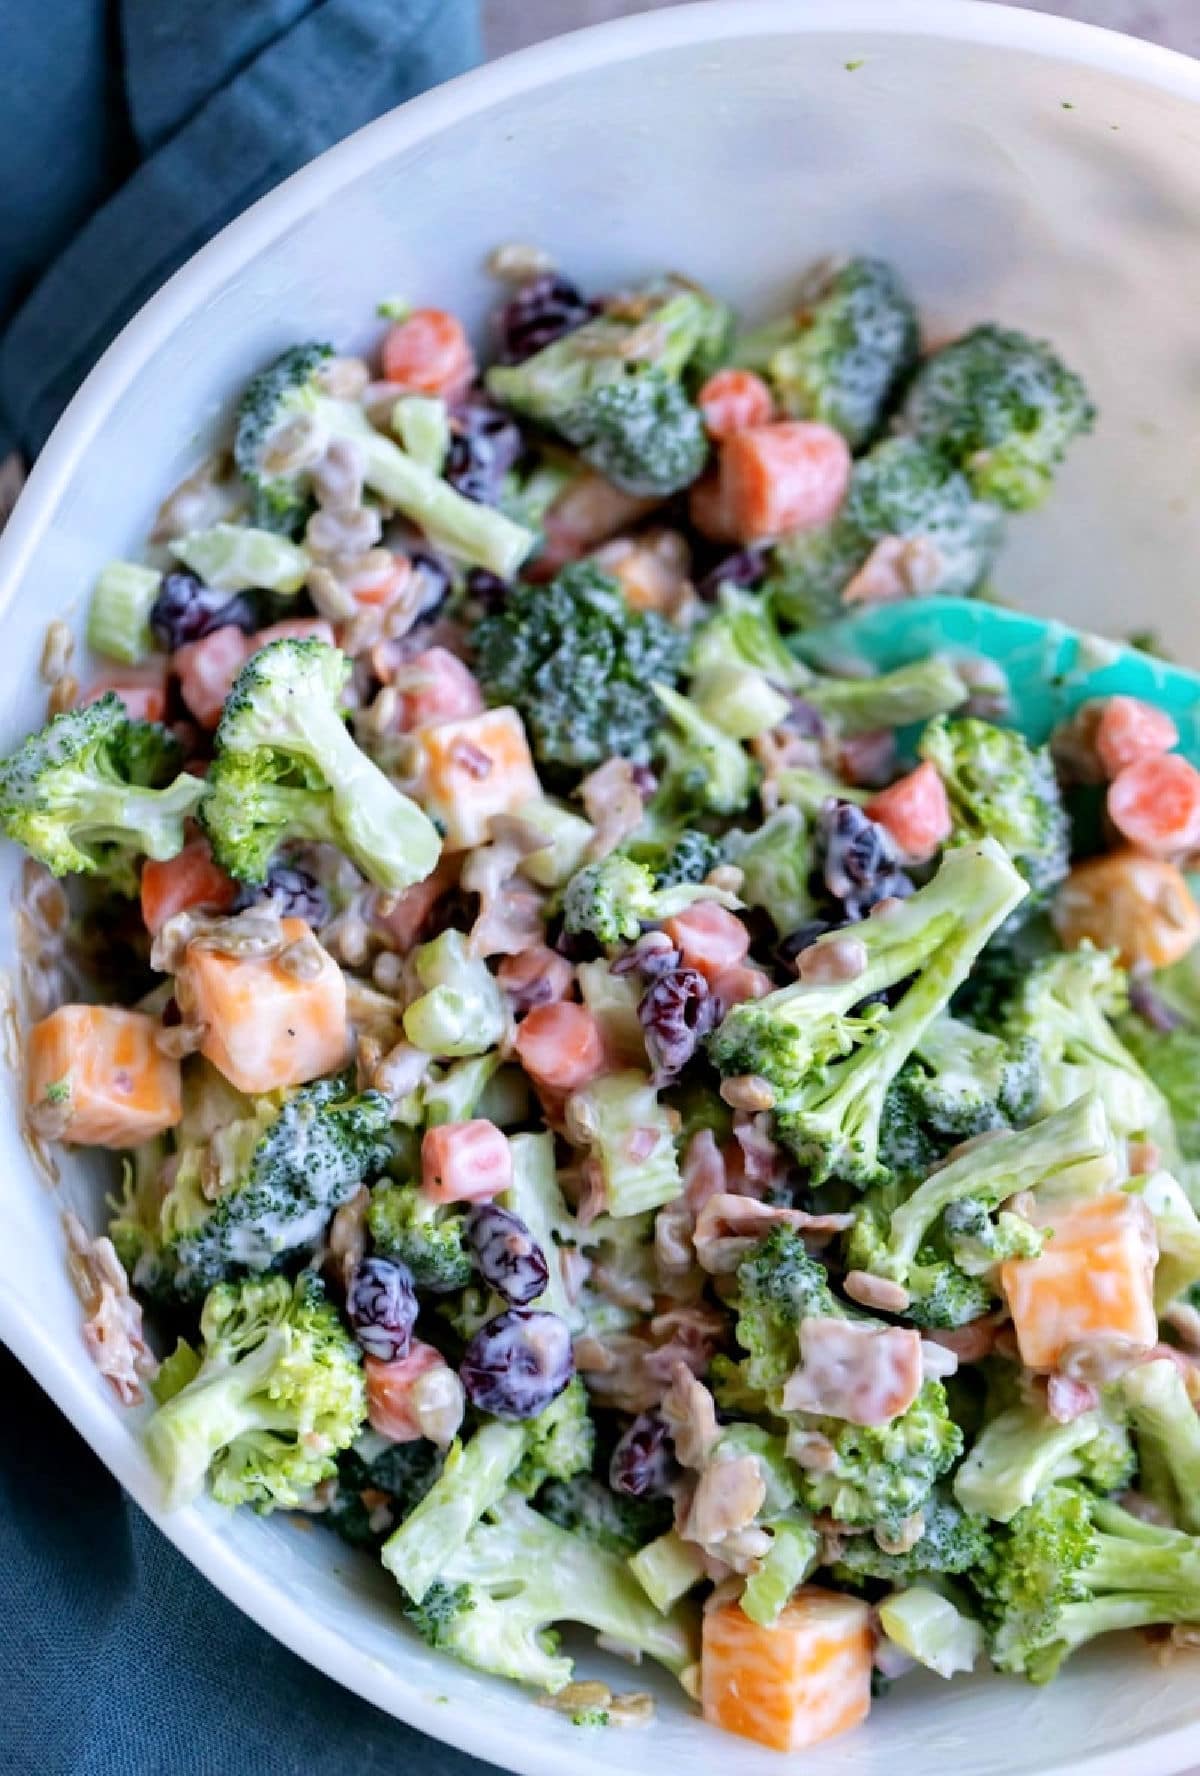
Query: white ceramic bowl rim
(966, 21)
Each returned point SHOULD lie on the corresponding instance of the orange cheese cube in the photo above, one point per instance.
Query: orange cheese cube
(1094, 1278)
(266, 1027)
(805, 1679)
(99, 1064)
(473, 769)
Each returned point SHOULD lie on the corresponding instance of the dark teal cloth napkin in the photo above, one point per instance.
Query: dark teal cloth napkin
(130, 131)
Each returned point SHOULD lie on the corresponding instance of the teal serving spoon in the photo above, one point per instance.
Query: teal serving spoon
(1051, 669)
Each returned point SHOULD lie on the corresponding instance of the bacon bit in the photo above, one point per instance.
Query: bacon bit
(1067, 1400)
(865, 1373)
(897, 567)
(641, 1143)
(470, 758)
(762, 1159)
(112, 1331)
(691, 1415)
(868, 760)
(613, 799)
(510, 906)
(1144, 1157)
(673, 1252)
(728, 1226)
(703, 1170)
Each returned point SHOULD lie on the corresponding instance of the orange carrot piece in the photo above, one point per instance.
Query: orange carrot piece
(560, 1046)
(428, 354)
(791, 475)
(101, 1064)
(207, 668)
(709, 938)
(1155, 804)
(1094, 1277)
(143, 691)
(709, 509)
(805, 1679)
(1139, 906)
(916, 811)
(190, 879)
(465, 1162)
(390, 1388)
(436, 686)
(1128, 730)
(733, 400)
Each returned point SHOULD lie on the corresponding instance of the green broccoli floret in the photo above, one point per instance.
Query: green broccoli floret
(612, 899)
(1002, 408)
(280, 1169)
(378, 1484)
(942, 1293)
(290, 389)
(1001, 786)
(951, 1541)
(1021, 1451)
(560, 1443)
(1067, 1005)
(613, 389)
(882, 1474)
(1171, 1058)
(76, 794)
(978, 1243)
(615, 1522)
(1168, 1433)
(1070, 1567)
(676, 859)
(278, 1393)
(578, 664)
(901, 490)
(831, 1062)
(965, 1080)
(429, 1237)
(285, 767)
(842, 353)
(498, 1595)
(776, 861)
(743, 631)
(778, 1285)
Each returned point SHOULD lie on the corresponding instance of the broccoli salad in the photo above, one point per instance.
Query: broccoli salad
(620, 1125)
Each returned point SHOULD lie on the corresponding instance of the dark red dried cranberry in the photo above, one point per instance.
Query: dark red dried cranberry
(804, 720)
(435, 582)
(642, 1464)
(517, 1363)
(508, 1257)
(382, 1305)
(484, 445)
(540, 312)
(297, 893)
(675, 1011)
(188, 610)
(859, 864)
(1151, 1007)
(747, 569)
(488, 589)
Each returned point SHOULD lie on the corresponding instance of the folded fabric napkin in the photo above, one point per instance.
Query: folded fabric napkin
(132, 130)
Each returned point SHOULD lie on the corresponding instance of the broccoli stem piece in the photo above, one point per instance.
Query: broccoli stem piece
(1018, 1454)
(472, 1481)
(894, 699)
(604, 1117)
(1168, 1429)
(931, 1630)
(667, 1569)
(794, 1554)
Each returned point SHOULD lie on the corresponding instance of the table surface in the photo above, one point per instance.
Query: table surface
(511, 24)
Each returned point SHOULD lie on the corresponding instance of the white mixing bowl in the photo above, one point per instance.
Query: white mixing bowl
(1016, 167)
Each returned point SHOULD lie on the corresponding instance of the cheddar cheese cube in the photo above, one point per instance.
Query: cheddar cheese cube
(805, 1679)
(471, 770)
(1093, 1279)
(96, 1076)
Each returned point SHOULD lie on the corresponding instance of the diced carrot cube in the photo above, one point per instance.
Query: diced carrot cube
(101, 1065)
(1092, 1279)
(709, 510)
(190, 879)
(264, 1027)
(1155, 804)
(428, 354)
(560, 1046)
(535, 976)
(207, 668)
(710, 939)
(1128, 730)
(588, 511)
(436, 686)
(142, 690)
(472, 769)
(916, 812)
(788, 476)
(390, 1391)
(732, 400)
(1139, 906)
(465, 1162)
(805, 1679)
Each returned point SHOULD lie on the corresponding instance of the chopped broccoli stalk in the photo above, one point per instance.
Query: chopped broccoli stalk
(286, 768)
(843, 352)
(422, 425)
(290, 390)
(238, 558)
(830, 1062)
(1002, 408)
(578, 664)
(613, 899)
(1070, 1567)
(278, 1392)
(612, 388)
(744, 632)
(808, 788)
(631, 1137)
(567, 837)
(535, 1197)
(667, 1569)
(474, 1478)
(1001, 786)
(119, 613)
(966, 1080)
(462, 1010)
(1022, 1451)
(590, 1509)
(915, 693)
(776, 861)
(428, 1237)
(498, 1593)
(1167, 1431)
(739, 700)
(277, 1171)
(1177, 1231)
(560, 1442)
(793, 1556)
(1067, 1004)
(951, 1541)
(175, 1371)
(74, 795)
(703, 767)
(932, 1630)
(901, 495)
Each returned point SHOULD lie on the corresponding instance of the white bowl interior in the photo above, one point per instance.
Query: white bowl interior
(1015, 168)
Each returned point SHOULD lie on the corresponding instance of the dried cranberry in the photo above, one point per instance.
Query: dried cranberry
(382, 1305)
(747, 568)
(484, 445)
(540, 312)
(297, 893)
(188, 610)
(435, 582)
(509, 1258)
(487, 588)
(1151, 1007)
(859, 864)
(804, 720)
(804, 935)
(642, 1464)
(517, 1363)
(675, 1011)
